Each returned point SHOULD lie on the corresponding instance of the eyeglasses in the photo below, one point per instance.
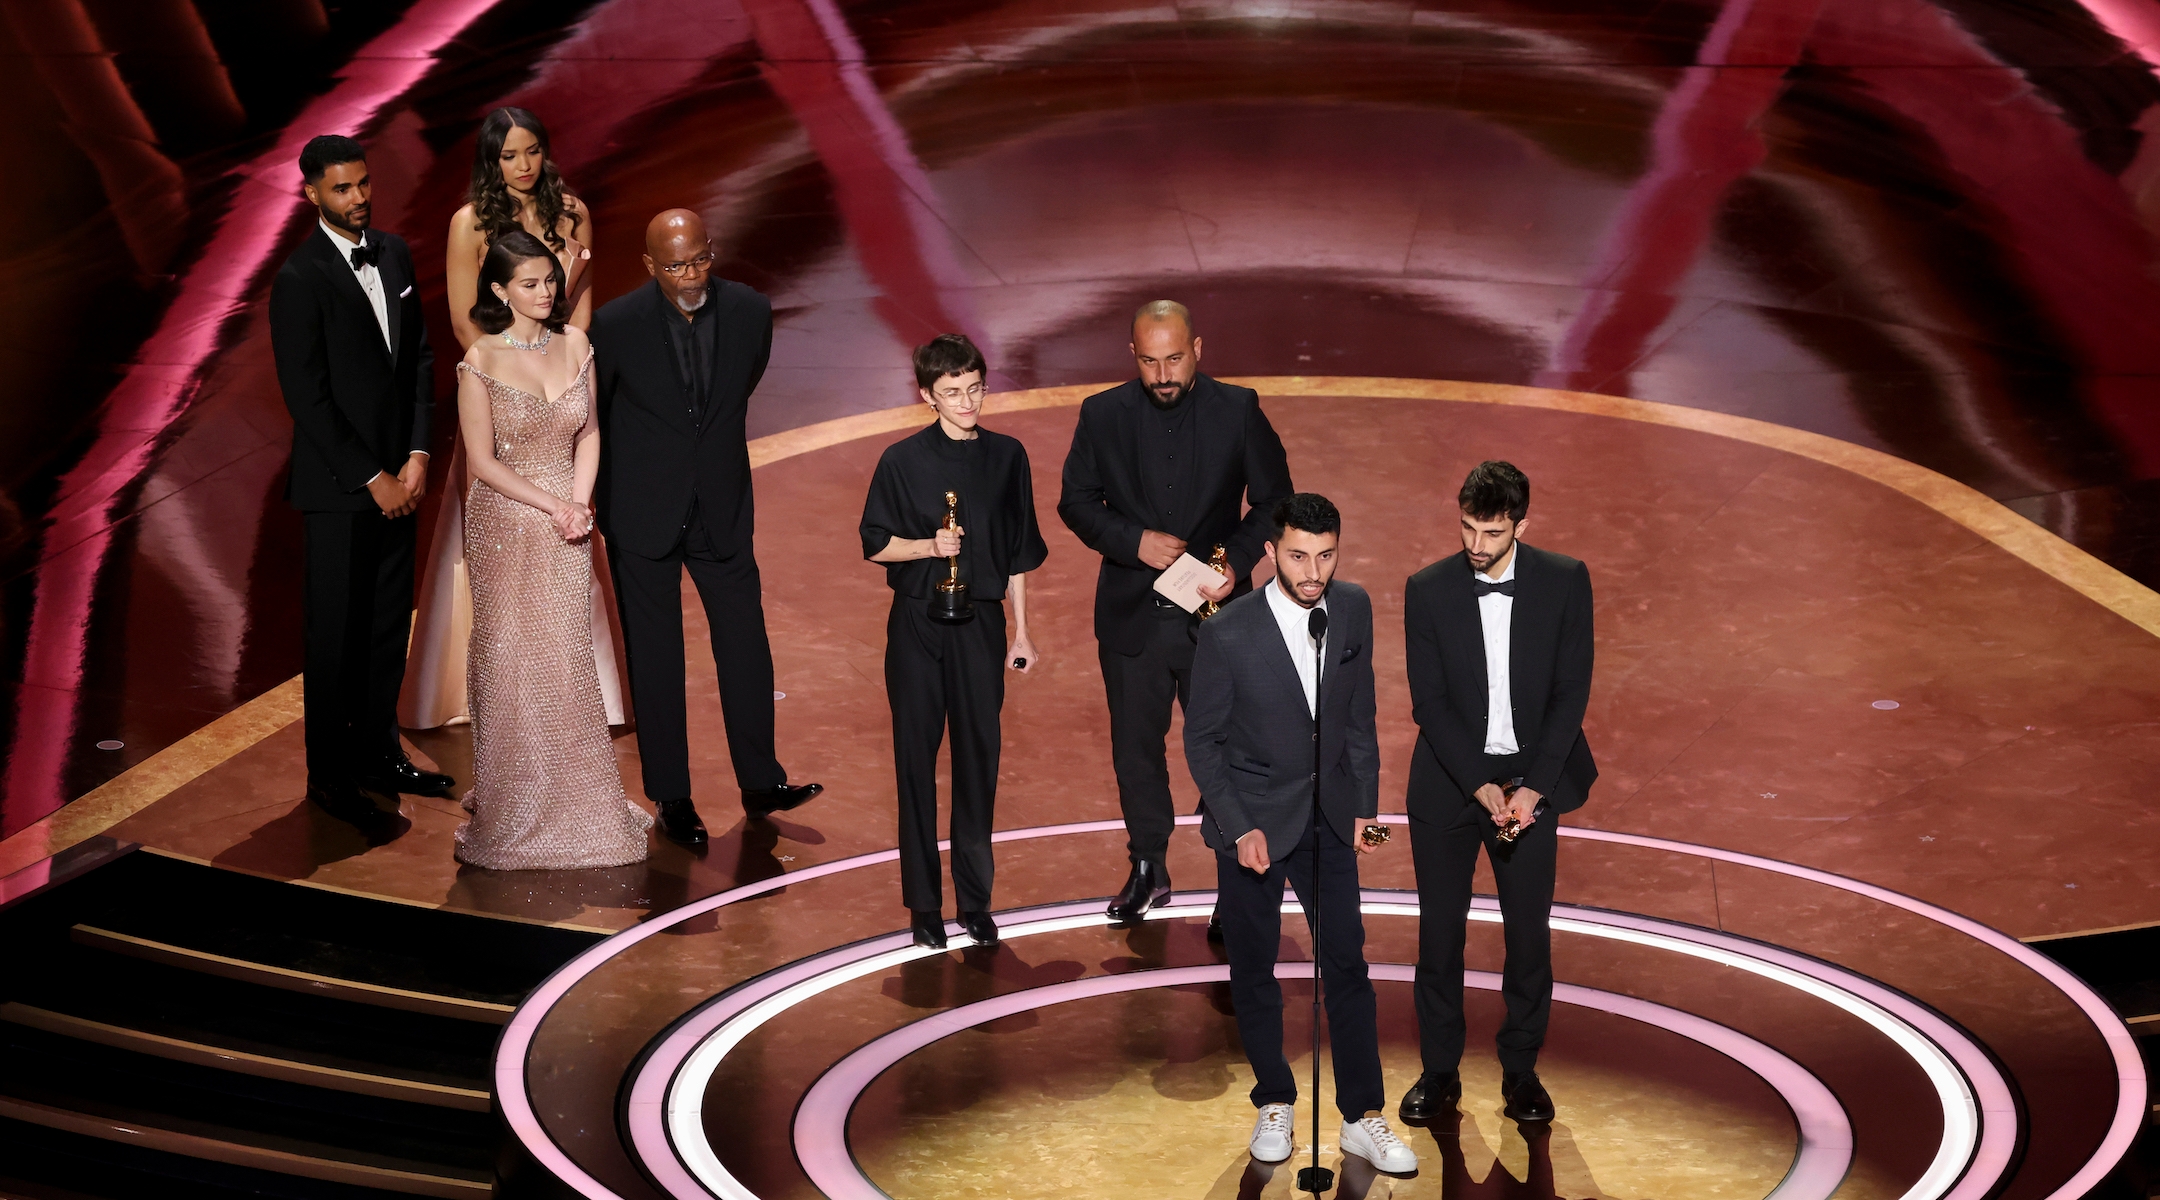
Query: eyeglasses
(948, 395)
(676, 269)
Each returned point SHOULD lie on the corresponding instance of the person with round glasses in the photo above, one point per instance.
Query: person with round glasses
(676, 363)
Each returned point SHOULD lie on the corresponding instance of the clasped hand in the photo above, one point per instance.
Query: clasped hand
(573, 521)
(1521, 807)
(946, 542)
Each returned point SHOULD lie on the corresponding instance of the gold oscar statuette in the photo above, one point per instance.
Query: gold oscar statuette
(1220, 560)
(1376, 835)
(949, 601)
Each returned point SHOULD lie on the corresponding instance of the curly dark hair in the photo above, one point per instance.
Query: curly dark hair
(1309, 511)
(508, 252)
(1495, 489)
(495, 210)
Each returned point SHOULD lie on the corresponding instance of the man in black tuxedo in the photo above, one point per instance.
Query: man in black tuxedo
(1282, 712)
(358, 377)
(674, 364)
(1499, 646)
(1159, 465)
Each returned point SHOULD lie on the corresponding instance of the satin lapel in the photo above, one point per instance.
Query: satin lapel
(1529, 605)
(1461, 613)
(345, 282)
(393, 305)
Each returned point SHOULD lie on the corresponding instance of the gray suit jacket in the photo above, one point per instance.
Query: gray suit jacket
(1250, 742)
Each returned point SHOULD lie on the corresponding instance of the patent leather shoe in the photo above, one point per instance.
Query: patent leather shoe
(929, 930)
(396, 775)
(1146, 887)
(679, 823)
(1214, 928)
(764, 802)
(1527, 1099)
(1431, 1096)
(980, 927)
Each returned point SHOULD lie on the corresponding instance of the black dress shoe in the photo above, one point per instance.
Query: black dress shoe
(929, 929)
(679, 823)
(1527, 1099)
(396, 775)
(763, 802)
(345, 802)
(980, 927)
(1146, 887)
(1214, 928)
(1431, 1096)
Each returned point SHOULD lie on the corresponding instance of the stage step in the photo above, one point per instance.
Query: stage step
(291, 980)
(232, 1058)
(171, 1028)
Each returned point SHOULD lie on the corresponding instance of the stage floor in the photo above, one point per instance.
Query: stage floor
(1826, 667)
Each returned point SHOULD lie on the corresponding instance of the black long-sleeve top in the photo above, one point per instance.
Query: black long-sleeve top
(990, 474)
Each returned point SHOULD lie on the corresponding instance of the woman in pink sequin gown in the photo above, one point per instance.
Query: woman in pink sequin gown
(546, 792)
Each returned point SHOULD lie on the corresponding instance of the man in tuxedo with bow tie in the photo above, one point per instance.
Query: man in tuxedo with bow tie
(1499, 645)
(358, 377)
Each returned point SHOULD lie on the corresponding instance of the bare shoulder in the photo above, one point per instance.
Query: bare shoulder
(575, 341)
(481, 356)
(464, 234)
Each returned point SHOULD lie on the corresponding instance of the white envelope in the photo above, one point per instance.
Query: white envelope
(1181, 584)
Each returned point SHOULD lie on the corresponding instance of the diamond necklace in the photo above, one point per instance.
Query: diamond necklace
(546, 335)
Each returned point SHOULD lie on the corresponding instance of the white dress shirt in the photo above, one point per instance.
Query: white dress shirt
(1496, 613)
(370, 278)
(371, 283)
(1295, 621)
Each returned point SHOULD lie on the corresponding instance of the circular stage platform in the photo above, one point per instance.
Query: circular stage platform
(1835, 696)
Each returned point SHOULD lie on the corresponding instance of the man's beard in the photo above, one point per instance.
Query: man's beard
(346, 221)
(1184, 389)
(689, 301)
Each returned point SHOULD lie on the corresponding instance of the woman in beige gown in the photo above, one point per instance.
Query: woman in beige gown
(515, 185)
(546, 792)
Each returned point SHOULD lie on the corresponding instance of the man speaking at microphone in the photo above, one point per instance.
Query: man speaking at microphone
(1279, 735)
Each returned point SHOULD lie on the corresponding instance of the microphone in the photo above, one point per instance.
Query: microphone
(1317, 624)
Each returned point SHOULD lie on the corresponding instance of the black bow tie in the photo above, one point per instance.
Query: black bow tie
(1505, 587)
(366, 255)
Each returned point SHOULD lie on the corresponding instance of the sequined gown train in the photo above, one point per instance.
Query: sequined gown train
(546, 792)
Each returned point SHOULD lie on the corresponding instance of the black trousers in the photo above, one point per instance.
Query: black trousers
(359, 601)
(940, 676)
(649, 591)
(1140, 688)
(1250, 906)
(1445, 855)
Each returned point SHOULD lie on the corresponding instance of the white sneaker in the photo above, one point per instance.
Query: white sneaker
(1372, 1140)
(1271, 1133)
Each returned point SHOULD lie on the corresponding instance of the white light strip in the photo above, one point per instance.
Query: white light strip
(1961, 1123)
(685, 1106)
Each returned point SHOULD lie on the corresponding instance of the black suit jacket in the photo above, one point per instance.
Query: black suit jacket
(1105, 501)
(657, 453)
(1550, 652)
(357, 408)
(1249, 737)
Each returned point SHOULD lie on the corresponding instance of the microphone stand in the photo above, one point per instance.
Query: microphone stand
(1316, 1178)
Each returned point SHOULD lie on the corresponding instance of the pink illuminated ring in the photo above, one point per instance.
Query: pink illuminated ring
(1826, 1138)
(664, 1114)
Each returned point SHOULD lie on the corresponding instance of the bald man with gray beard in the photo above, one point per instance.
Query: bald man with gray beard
(674, 364)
